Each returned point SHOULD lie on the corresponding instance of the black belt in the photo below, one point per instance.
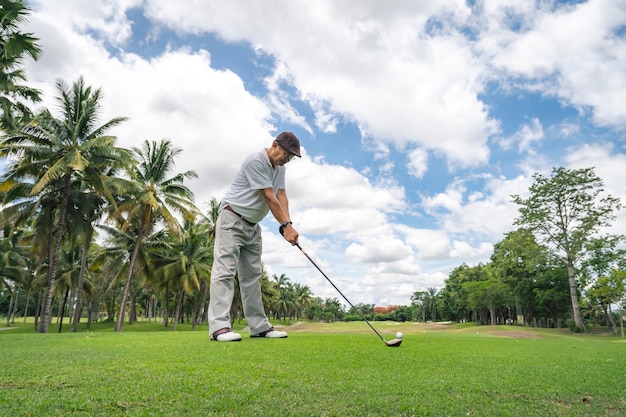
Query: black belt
(229, 208)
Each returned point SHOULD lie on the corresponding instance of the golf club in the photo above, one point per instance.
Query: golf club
(391, 343)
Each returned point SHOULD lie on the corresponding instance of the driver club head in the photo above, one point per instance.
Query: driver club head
(394, 342)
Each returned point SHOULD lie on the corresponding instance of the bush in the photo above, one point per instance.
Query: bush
(572, 326)
(353, 317)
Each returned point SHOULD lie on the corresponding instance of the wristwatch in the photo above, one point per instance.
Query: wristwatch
(281, 229)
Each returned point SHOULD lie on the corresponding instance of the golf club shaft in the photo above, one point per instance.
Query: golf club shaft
(344, 297)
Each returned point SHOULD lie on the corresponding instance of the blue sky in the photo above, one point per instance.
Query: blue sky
(418, 120)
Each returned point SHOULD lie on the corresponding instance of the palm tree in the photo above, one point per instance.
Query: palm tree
(14, 46)
(185, 263)
(153, 198)
(211, 221)
(111, 262)
(13, 266)
(89, 208)
(315, 310)
(284, 305)
(431, 302)
(333, 308)
(113, 259)
(52, 152)
(303, 297)
(69, 267)
(269, 291)
(281, 281)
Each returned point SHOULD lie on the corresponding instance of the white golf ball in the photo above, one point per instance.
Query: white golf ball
(399, 335)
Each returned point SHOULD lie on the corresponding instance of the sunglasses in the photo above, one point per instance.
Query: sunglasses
(287, 155)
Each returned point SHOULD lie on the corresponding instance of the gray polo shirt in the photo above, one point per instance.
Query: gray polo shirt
(244, 195)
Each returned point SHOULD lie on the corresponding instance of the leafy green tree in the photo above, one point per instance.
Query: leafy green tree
(592, 310)
(14, 46)
(366, 309)
(426, 303)
(315, 309)
(431, 302)
(487, 295)
(551, 294)
(153, 198)
(333, 310)
(617, 284)
(602, 256)
(565, 211)
(599, 294)
(453, 298)
(611, 289)
(516, 261)
(418, 302)
(402, 314)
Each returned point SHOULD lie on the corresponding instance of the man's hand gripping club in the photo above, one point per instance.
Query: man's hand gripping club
(289, 233)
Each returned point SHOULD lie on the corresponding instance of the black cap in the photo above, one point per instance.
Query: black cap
(289, 142)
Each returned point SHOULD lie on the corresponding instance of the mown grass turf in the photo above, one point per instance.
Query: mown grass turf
(339, 369)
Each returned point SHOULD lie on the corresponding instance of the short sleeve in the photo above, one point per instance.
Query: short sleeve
(258, 175)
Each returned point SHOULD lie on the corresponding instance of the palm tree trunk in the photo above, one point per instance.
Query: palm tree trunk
(37, 310)
(166, 305)
(27, 302)
(81, 278)
(199, 316)
(89, 314)
(179, 306)
(110, 306)
(62, 309)
(132, 308)
(129, 274)
(52, 271)
(149, 304)
(58, 315)
(10, 307)
(70, 308)
(18, 287)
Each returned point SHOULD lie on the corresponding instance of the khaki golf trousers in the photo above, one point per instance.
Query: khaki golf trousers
(237, 249)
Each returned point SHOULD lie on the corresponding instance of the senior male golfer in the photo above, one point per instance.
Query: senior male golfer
(257, 188)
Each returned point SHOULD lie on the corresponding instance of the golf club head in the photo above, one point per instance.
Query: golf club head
(394, 342)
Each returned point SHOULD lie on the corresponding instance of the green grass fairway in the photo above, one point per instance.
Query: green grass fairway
(340, 369)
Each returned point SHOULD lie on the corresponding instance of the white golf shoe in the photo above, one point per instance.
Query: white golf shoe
(271, 334)
(226, 335)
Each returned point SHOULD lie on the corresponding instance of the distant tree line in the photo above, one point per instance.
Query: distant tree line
(563, 267)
